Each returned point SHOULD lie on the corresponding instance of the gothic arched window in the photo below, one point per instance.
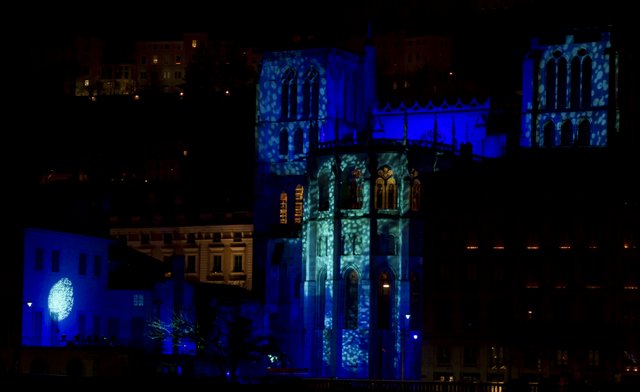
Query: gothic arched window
(584, 133)
(566, 134)
(311, 95)
(283, 145)
(586, 83)
(550, 85)
(581, 69)
(289, 95)
(351, 300)
(351, 192)
(298, 140)
(562, 83)
(386, 192)
(323, 192)
(549, 134)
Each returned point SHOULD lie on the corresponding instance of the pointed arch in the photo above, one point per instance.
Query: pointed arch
(566, 134)
(549, 134)
(584, 133)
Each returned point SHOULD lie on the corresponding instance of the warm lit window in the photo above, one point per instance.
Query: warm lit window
(593, 358)
(194, 43)
(386, 193)
(562, 357)
(283, 208)
(298, 207)
(155, 59)
(86, 82)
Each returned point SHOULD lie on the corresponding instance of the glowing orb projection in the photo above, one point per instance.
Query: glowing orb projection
(61, 299)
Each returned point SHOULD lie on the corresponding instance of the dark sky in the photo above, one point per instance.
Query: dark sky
(264, 19)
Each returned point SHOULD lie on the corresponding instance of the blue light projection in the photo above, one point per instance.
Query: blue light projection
(566, 93)
(446, 126)
(341, 226)
(60, 300)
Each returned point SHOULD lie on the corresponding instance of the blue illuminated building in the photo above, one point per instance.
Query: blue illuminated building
(357, 250)
(344, 251)
(407, 241)
(87, 291)
(570, 92)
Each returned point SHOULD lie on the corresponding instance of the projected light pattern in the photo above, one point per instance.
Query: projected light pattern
(339, 215)
(61, 299)
(566, 94)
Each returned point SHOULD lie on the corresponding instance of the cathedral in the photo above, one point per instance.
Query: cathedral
(366, 276)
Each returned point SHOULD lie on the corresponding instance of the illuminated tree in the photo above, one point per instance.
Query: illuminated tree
(226, 340)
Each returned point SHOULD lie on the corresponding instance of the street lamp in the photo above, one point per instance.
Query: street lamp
(30, 328)
(403, 337)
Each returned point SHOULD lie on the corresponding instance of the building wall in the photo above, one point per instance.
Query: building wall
(198, 246)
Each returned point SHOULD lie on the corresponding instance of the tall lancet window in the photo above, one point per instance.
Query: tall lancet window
(416, 191)
(283, 143)
(351, 300)
(351, 192)
(311, 95)
(323, 192)
(550, 84)
(283, 208)
(581, 70)
(298, 142)
(298, 207)
(549, 134)
(386, 191)
(289, 95)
